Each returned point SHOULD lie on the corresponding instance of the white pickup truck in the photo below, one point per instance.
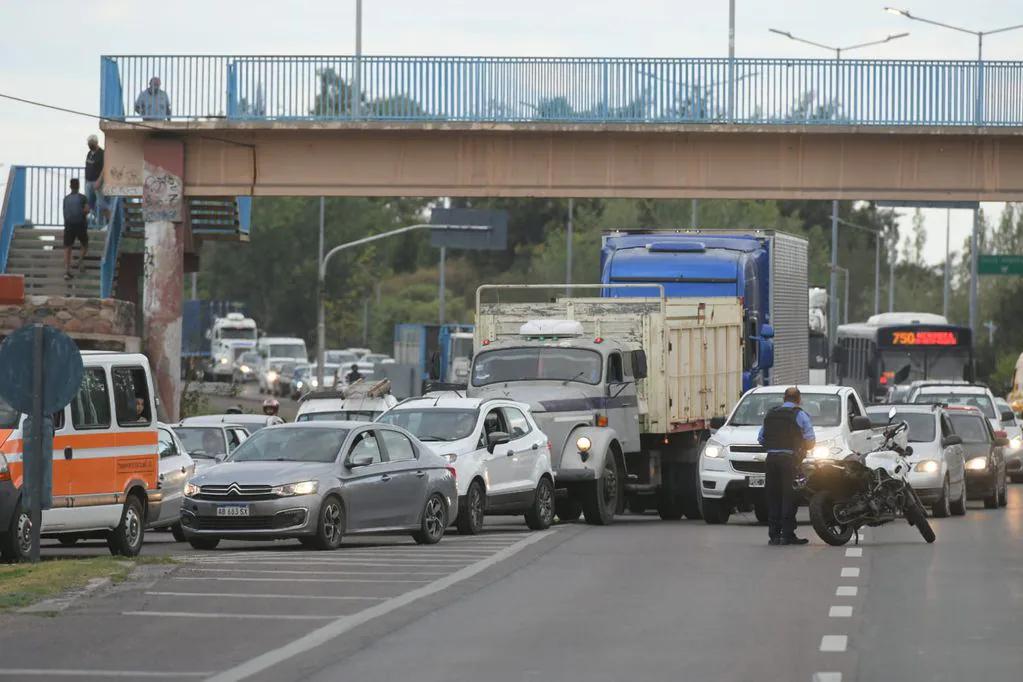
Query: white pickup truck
(732, 463)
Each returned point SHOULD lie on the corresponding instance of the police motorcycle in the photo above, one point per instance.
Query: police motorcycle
(868, 489)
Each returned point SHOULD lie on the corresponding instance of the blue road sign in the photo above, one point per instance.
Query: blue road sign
(62, 369)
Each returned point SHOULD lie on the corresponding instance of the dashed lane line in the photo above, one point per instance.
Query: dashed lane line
(263, 596)
(834, 643)
(827, 677)
(840, 612)
(242, 616)
(850, 572)
(854, 552)
(846, 591)
(341, 625)
(133, 674)
(298, 572)
(294, 580)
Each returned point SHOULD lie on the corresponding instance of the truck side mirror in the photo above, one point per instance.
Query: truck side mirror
(1008, 416)
(765, 349)
(949, 441)
(639, 367)
(767, 331)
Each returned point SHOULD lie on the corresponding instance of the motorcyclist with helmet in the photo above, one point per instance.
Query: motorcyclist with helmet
(271, 407)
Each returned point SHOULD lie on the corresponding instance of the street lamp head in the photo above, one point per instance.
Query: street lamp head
(900, 12)
(781, 33)
(895, 36)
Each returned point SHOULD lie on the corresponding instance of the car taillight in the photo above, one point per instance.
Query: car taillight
(5, 469)
(454, 474)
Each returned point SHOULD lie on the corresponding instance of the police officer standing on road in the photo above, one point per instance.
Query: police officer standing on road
(787, 434)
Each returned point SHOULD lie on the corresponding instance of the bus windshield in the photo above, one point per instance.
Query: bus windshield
(927, 362)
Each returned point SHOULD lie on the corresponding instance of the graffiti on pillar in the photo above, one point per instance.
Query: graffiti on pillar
(162, 194)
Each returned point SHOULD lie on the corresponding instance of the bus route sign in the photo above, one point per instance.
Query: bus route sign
(1004, 264)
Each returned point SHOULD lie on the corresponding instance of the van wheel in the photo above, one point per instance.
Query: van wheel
(178, 533)
(16, 543)
(203, 543)
(541, 515)
(126, 539)
(471, 510)
(958, 507)
(942, 508)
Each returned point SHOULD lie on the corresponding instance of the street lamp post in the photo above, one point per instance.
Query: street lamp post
(833, 285)
(978, 120)
(321, 278)
(357, 80)
(877, 234)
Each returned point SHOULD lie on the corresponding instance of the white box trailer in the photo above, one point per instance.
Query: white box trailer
(693, 348)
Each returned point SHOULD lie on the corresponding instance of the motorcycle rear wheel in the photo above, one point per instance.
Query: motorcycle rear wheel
(822, 516)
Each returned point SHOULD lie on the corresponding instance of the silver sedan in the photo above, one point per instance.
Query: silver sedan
(316, 481)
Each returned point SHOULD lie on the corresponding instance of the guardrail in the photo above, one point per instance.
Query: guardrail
(576, 90)
(112, 248)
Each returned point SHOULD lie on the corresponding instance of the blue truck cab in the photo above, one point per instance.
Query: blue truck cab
(766, 269)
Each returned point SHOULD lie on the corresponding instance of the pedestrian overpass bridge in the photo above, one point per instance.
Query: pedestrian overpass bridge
(481, 126)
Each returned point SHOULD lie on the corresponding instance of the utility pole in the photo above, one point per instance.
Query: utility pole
(893, 254)
(948, 262)
(441, 286)
(694, 214)
(321, 285)
(974, 248)
(877, 274)
(568, 244)
(833, 284)
(731, 59)
(357, 85)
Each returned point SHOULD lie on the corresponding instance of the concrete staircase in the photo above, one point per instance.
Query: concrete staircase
(38, 254)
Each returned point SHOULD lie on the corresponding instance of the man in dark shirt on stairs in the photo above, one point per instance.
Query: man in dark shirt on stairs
(76, 213)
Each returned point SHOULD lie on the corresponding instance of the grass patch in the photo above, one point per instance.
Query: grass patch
(25, 584)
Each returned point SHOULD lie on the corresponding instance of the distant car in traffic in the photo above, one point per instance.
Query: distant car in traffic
(176, 467)
(340, 357)
(249, 422)
(985, 463)
(246, 367)
(958, 393)
(208, 443)
(502, 458)
(939, 466)
(1014, 450)
(282, 385)
(363, 401)
(268, 374)
(318, 481)
(305, 380)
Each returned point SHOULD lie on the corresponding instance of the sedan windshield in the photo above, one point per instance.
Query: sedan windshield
(979, 400)
(434, 425)
(970, 428)
(536, 363)
(921, 425)
(291, 445)
(202, 441)
(825, 409)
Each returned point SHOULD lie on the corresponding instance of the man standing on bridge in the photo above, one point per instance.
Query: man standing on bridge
(787, 434)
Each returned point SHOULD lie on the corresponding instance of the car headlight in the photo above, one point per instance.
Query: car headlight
(291, 489)
(271, 376)
(826, 450)
(583, 444)
(1015, 443)
(713, 450)
(191, 490)
(314, 383)
(928, 466)
(223, 361)
(245, 369)
(977, 464)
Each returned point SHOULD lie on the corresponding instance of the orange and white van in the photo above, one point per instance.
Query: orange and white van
(105, 459)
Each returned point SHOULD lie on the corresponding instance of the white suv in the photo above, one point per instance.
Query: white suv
(732, 463)
(501, 458)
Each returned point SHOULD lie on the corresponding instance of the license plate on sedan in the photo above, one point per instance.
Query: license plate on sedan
(756, 481)
(233, 510)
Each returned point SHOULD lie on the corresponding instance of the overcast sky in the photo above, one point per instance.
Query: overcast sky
(51, 48)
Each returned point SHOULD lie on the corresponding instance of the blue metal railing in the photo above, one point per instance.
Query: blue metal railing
(598, 90)
(12, 211)
(108, 264)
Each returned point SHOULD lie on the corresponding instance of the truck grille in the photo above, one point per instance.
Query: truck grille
(233, 523)
(747, 448)
(235, 491)
(749, 467)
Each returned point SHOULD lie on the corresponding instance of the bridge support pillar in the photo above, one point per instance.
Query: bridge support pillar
(163, 270)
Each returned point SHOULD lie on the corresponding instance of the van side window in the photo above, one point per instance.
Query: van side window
(90, 408)
(131, 396)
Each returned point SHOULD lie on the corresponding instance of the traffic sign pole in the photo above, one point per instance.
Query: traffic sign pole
(35, 511)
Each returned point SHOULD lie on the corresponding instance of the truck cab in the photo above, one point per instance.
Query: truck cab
(230, 336)
(582, 392)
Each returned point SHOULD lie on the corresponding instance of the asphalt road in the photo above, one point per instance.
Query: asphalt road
(640, 600)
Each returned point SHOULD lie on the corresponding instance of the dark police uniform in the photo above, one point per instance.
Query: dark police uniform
(784, 434)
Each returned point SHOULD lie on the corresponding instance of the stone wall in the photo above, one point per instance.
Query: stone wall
(94, 323)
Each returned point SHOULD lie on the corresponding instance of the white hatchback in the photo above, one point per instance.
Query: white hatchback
(501, 457)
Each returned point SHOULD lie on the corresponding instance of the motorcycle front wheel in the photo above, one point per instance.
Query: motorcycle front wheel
(917, 517)
(822, 516)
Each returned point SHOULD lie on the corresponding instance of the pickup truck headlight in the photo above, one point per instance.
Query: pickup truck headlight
(1015, 443)
(977, 464)
(826, 450)
(583, 444)
(928, 466)
(191, 490)
(713, 450)
(292, 489)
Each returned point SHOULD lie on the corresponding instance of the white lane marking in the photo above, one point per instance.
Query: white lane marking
(57, 672)
(247, 616)
(343, 624)
(263, 596)
(328, 562)
(294, 580)
(281, 570)
(854, 552)
(827, 677)
(846, 591)
(834, 642)
(850, 572)
(840, 612)
(341, 566)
